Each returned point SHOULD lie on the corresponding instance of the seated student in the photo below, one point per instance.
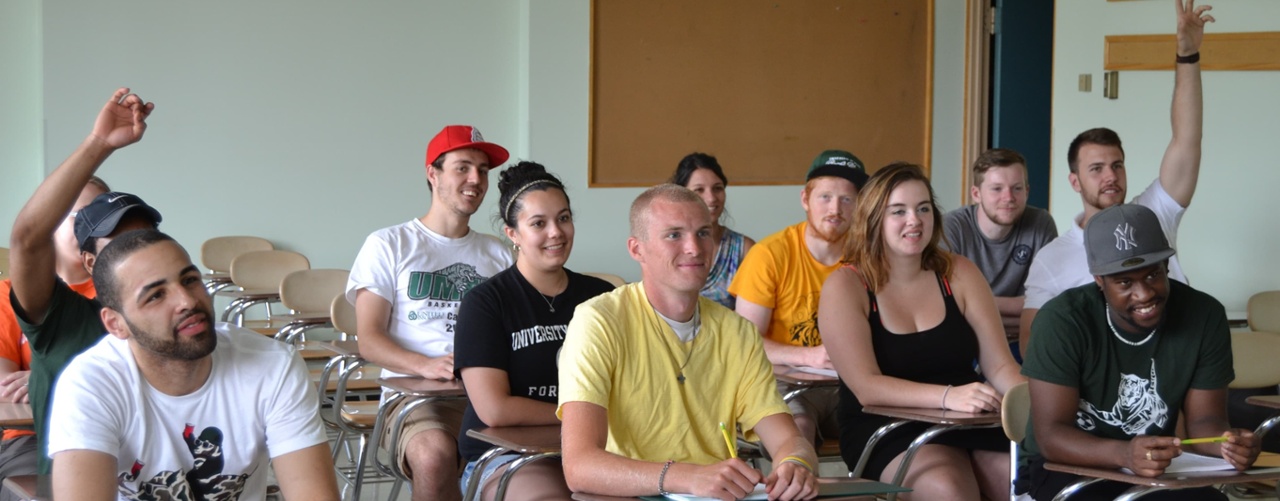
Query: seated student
(58, 321)
(171, 405)
(511, 328)
(1114, 362)
(649, 372)
(780, 281)
(18, 448)
(904, 320)
(701, 173)
(1000, 233)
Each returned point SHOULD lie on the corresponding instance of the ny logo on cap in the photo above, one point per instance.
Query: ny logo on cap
(475, 135)
(1124, 237)
(847, 162)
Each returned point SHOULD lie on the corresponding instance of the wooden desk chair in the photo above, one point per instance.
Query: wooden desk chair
(617, 281)
(308, 294)
(343, 316)
(217, 253)
(943, 421)
(1015, 410)
(353, 419)
(799, 382)
(1264, 312)
(4, 263)
(259, 275)
(530, 442)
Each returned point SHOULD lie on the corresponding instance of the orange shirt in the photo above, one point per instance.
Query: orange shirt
(13, 345)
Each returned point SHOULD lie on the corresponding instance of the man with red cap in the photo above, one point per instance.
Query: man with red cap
(407, 283)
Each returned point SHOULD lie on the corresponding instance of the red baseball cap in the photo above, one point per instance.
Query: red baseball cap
(457, 137)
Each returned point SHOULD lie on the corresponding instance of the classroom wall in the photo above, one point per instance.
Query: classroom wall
(21, 130)
(305, 121)
(1227, 244)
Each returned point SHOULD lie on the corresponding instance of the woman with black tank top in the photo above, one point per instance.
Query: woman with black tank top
(903, 322)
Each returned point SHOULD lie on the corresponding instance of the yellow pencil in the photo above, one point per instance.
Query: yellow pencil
(1206, 440)
(728, 441)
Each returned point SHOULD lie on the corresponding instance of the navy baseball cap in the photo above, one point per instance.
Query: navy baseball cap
(100, 217)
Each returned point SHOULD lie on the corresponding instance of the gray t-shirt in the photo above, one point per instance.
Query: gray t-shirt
(1005, 262)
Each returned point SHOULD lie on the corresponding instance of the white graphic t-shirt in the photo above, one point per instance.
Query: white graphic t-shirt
(424, 276)
(213, 444)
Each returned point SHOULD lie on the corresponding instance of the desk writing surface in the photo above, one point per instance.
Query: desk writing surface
(15, 415)
(936, 416)
(1175, 480)
(796, 377)
(832, 489)
(422, 387)
(522, 439)
(1272, 401)
(324, 350)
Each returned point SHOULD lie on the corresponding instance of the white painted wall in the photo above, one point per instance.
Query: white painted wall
(1227, 243)
(21, 129)
(306, 121)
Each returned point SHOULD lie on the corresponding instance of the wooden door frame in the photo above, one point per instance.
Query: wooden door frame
(977, 88)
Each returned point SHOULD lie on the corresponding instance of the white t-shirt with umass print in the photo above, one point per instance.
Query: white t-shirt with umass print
(424, 276)
(258, 403)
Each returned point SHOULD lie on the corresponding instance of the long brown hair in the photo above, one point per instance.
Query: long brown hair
(864, 248)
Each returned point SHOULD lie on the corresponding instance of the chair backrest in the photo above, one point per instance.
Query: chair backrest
(617, 281)
(217, 253)
(265, 270)
(1015, 410)
(1254, 356)
(343, 314)
(312, 291)
(4, 263)
(1264, 311)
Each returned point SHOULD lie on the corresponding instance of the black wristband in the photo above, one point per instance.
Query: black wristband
(1192, 59)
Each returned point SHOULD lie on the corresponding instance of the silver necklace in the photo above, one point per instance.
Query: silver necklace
(1121, 338)
(550, 303)
(693, 341)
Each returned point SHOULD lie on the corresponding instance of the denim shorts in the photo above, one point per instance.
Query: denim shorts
(496, 463)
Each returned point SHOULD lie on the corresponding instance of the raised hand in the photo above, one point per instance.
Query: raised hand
(122, 120)
(1191, 21)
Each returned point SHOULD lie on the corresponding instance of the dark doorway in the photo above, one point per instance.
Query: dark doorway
(1021, 86)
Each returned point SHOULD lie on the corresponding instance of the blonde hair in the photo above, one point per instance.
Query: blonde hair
(864, 247)
(667, 192)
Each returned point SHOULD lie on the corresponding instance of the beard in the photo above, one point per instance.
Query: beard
(1000, 218)
(172, 346)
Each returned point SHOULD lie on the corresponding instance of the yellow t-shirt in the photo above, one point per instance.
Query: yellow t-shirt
(779, 273)
(620, 355)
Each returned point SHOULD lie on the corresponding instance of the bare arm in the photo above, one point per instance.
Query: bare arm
(13, 382)
(1206, 416)
(1180, 168)
(843, 308)
(782, 439)
(373, 315)
(973, 295)
(780, 353)
(1010, 315)
(1024, 330)
(489, 390)
(84, 475)
(121, 122)
(1053, 413)
(307, 474)
(589, 468)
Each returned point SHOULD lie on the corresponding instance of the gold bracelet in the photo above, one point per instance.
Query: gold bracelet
(797, 460)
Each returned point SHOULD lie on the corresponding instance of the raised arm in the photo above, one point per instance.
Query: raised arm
(373, 315)
(121, 122)
(589, 468)
(85, 475)
(1180, 168)
(306, 474)
(780, 353)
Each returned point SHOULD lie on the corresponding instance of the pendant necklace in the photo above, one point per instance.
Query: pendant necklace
(1121, 338)
(551, 304)
(693, 341)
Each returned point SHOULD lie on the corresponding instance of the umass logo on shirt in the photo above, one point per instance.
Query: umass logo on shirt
(447, 284)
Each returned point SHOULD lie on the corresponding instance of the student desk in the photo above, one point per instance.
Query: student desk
(29, 487)
(413, 392)
(943, 421)
(530, 442)
(872, 488)
(1169, 481)
(16, 416)
(325, 350)
(799, 381)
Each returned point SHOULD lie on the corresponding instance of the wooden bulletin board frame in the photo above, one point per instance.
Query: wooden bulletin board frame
(764, 85)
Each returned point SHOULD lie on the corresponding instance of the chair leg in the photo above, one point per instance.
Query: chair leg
(1069, 490)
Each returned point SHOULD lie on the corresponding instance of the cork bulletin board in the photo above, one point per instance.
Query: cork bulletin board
(763, 85)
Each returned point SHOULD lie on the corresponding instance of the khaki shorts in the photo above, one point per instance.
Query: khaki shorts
(443, 415)
(820, 405)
